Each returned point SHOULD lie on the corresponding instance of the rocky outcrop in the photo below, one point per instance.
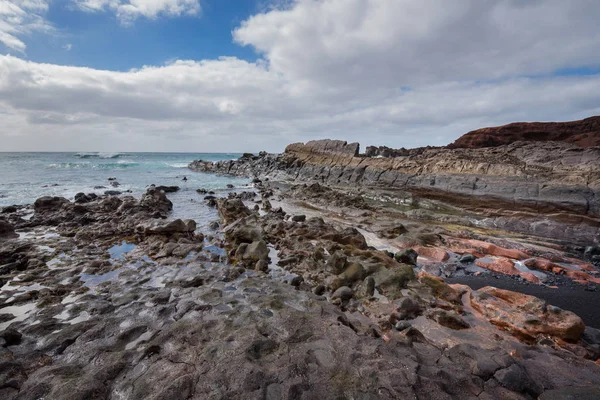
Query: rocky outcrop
(525, 316)
(511, 184)
(584, 133)
(326, 147)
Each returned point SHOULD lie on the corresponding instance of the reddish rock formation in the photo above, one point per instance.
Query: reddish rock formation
(434, 253)
(526, 316)
(584, 133)
(501, 265)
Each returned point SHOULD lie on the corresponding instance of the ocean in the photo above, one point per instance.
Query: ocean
(24, 177)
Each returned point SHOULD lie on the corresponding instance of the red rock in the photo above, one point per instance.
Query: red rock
(577, 274)
(501, 265)
(526, 316)
(528, 276)
(542, 264)
(584, 133)
(434, 253)
(493, 250)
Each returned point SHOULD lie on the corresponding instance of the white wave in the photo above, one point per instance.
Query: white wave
(178, 165)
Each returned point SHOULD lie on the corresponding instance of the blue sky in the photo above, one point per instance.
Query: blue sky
(100, 40)
(251, 75)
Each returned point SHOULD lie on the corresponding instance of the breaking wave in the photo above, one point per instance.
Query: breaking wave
(99, 155)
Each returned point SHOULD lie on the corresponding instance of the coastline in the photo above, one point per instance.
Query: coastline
(330, 274)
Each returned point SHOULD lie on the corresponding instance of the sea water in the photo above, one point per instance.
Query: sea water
(24, 177)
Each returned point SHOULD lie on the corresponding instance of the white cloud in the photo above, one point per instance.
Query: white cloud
(20, 18)
(393, 72)
(128, 10)
(68, 47)
(409, 42)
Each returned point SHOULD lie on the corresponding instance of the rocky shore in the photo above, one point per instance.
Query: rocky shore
(328, 279)
(108, 299)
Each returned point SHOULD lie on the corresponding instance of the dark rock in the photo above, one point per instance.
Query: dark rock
(299, 218)
(584, 133)
(81, 198)
(344, 293)
(591, 252)
(11, 337)
(49, 203)
(402, 325)
(407, 256)
(168, 189)
(319, 290)
(297, 280)
(516, 379)
(467, 258)
(591, 335)
(9, 209)
(112, 192)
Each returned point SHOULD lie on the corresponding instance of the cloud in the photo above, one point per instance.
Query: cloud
(386, 43)
(129, 10)
(399, 73)
(68, 47)
(20, 18)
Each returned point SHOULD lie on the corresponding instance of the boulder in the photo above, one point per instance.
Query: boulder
(254, 251)
(467, 258)
(49, 203)
(231, 210)
(434, 253)
(526, 316)
(354, 272)
(245, 230)
(343, 293)
(156, 201)
(160, 227)
(81, 198)
(501, 265)
(407, 256)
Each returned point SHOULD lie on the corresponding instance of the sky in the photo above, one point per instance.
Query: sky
(252, 75)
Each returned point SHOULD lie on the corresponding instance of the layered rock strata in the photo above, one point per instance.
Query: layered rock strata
(550, 189)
